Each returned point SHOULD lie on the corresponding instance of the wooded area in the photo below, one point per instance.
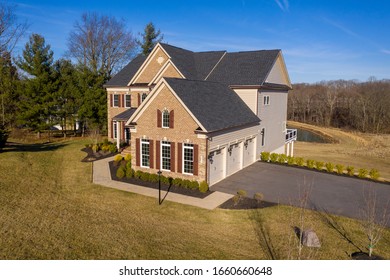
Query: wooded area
(38, 92)
(362, 106)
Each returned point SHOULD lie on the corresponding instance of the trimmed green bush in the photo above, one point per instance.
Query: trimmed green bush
(329, 167)
(113, 149)
(274, 157)
(362, 173)
(290, 160)
(95, 148)
(203, 187)
(340, 169)
(129, 173)
(300, 161)
(121, 172)
(282, 158)
(186, 184)
(258, 197)
(350, 170)
(319, 165)
(310, 163)
(128, 157)
(145, 176)
(138, 174)
(118, 158)
(374, 174)
(194, 185)
(164, 180)
(178, 182)
(242, 193)
(128, 165)
(264, 156)
(153, 178)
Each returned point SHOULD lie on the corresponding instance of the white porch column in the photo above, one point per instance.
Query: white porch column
(118, 134)
(292, 148)
(288, 149)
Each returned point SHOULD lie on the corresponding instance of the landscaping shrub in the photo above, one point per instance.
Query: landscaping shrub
(339, 168)
(319, 165)
(374, 174)
(153, 178)
(129, 172)
(95, 148)
(145, 176)
(329, 167)
(164, 180)
(203, 187)
(121, 172)
(128, 157)
(310, 163)
(350, 170)
(264, 156)
(186, 184)
(178, 182)
(242, 193)
(282, 158)
(258, 197)
(300, 161)
(290, 160)
(274, 157)
(105, 148)
(138, 174)
(362, 173)
(113, 148)
(118, 158)
(128, 165)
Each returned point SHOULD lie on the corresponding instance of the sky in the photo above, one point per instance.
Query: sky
(320, 39)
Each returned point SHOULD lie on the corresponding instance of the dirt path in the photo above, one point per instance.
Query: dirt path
(349, 148)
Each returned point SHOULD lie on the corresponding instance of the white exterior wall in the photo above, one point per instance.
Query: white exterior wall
(232, 136)
(249, 96)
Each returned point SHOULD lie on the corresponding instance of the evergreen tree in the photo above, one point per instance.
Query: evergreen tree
(150, 38)
(37, 103)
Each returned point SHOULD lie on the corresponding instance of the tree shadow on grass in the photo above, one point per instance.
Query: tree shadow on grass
(22, 147)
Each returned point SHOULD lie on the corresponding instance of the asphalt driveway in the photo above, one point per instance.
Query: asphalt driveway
(283, 184)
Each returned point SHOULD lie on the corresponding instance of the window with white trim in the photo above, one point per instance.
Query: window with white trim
(188, 158)
(115, 129)
(266, 99)
(165, 119)
(143, 97)
(127, 100)
(145, 153)
(166, 155)
(115, 100)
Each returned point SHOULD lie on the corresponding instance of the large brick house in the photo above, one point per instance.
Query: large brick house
(200, 115)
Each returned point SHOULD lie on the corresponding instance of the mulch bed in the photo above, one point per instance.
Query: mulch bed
(92, 156)
(246, 203)
(365, 256)
(172, 188)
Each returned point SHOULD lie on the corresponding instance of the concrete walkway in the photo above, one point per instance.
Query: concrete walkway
(101, 176)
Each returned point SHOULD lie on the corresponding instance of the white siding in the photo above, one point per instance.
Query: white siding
(249, 96)
(277, 74)
(232, 136)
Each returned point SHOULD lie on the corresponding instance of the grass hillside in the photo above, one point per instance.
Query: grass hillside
(49, 209)
(361, 150)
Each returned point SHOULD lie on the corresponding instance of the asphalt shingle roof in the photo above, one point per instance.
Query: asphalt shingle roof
(124, 116)
(123, 77)
(244, 68)
(215, 105)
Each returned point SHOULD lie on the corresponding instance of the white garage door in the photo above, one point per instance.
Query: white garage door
(217, 164)
(234, 158)
(249, 151)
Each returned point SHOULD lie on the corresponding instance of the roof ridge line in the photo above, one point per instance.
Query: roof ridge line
(215, 65)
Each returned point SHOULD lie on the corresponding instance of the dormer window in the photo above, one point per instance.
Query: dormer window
(165, 119)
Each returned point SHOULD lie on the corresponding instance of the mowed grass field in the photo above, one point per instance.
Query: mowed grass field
(361, 150)
(49, 209)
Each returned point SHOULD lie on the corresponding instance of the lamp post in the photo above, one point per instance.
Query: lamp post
(159, 186)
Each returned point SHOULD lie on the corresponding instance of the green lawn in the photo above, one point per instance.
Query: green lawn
(49, 209)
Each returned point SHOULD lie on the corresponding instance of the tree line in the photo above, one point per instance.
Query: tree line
(362, 106)
(38, 92)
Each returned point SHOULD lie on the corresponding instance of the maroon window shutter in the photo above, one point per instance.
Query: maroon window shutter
(158, 155)
(171, 116)
(111, 97)
(123, 100)
(137, 152)
(139, 99)
(151, 155)
(195, 172)
(112, 129)
(172, 156)
(158, 118)
(179, 157)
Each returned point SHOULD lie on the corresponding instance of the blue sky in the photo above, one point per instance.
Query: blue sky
(320, 40)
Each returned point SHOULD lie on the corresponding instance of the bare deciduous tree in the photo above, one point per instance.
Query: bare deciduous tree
(10, 29)
(101, 43)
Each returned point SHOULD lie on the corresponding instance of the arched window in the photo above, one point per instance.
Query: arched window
(165, 119)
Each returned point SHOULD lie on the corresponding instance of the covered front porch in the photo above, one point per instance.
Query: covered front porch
(120, 132)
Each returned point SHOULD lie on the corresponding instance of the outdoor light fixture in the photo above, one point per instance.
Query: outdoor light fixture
(159, 186)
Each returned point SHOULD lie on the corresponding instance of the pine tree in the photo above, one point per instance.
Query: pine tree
(150, 38)
(37, 103)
